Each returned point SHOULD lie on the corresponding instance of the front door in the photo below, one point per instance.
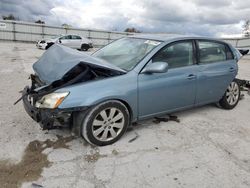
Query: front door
(66, 40)
(175, 89)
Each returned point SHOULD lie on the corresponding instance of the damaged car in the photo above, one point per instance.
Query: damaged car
(130, 79)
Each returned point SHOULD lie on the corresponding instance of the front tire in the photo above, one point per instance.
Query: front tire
(105, 123)
(231, 96)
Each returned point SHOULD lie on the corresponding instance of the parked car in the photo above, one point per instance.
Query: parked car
(72, 41)
(130, 79)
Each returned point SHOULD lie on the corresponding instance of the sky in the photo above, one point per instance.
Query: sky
(197, 17)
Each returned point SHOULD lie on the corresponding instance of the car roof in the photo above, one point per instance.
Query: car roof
(171, 37)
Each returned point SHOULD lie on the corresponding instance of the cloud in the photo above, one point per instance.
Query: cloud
(201, 17)
(26, 10)
(213, 3)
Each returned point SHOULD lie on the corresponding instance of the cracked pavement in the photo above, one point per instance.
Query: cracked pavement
(208, 148)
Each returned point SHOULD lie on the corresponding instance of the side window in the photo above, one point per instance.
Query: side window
(76, 37)
(179, 54)
(229, 53)
(211, 52)
(66, 37)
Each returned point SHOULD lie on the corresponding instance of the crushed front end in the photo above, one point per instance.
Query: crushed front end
(61, 67)
(42, 100)
(48, 118)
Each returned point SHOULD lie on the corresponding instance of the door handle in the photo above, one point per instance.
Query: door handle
(231, 69)
(191, 77)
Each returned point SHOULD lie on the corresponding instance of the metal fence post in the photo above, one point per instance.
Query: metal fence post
(43, 34)
(89, 34)
(236, 44)
(14, 30)
(109, 37)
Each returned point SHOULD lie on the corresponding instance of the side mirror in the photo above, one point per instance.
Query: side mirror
(156, 67)
(59, 40)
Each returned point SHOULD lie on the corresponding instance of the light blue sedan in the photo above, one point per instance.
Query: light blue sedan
(131, 79)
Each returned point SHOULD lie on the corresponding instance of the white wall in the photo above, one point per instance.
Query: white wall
(31, 32)
(239, 42)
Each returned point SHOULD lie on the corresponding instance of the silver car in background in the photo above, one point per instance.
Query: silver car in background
(72, 41)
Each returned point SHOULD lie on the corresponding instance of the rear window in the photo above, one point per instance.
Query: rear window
(210, 52)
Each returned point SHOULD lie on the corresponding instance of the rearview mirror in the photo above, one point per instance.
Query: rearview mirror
(156, 67)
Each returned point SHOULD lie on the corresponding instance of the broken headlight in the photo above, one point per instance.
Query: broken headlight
(52, 100)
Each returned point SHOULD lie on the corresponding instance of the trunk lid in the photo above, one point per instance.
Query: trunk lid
(58, 60)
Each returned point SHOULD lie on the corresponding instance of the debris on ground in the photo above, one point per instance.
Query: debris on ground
(241, 96)
(115, 152)
(244, 86)
(35, 185)
(158, 120)
(93, 156)
(135, 124)
(171, 132)
(133, 139)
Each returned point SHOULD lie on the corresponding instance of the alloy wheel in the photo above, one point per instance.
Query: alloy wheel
(232, 93)
(108, 124)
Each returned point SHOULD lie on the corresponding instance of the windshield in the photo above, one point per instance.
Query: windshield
(125, 53)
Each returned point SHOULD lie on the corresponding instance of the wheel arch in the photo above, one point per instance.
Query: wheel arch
(131, 115)
(84, 45)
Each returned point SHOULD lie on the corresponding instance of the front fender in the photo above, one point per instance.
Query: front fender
(90, 93)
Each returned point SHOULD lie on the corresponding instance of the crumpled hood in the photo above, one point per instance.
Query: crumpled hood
(59, 59)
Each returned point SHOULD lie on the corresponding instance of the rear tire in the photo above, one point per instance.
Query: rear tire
(105, 123)
(84, 47)
(231, 96)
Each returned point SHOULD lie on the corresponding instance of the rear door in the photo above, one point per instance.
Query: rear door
(76, 41)
(217, 68)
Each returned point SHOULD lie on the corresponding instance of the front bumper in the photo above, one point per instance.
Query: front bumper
(30, 109)
(48, 118)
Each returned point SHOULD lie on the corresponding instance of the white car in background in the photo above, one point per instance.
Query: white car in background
(72, 41)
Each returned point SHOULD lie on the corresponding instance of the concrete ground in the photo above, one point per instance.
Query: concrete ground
(210, 147)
